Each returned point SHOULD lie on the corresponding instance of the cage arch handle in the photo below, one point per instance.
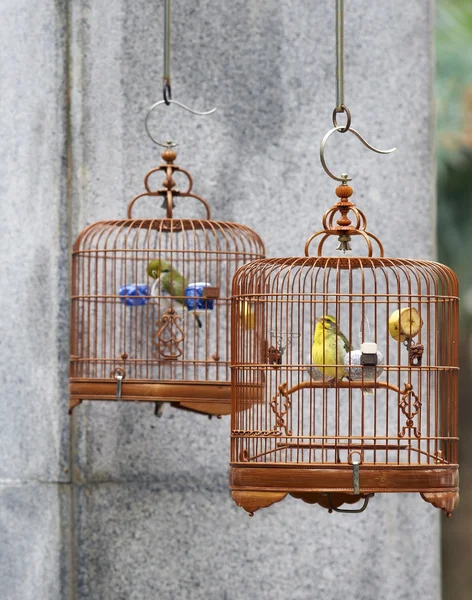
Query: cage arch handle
(168, 199)
(167, 192)
(326, 234)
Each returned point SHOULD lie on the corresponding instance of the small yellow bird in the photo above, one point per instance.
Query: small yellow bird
(247, 315)
(330, 346)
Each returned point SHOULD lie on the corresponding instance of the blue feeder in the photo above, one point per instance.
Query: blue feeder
(194, 299)
(134, 294)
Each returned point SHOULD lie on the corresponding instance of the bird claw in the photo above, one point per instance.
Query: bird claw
(332, 382)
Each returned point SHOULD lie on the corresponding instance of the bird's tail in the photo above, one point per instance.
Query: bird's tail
(197, 320)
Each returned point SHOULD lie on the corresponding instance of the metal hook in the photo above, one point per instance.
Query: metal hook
(169, 101)
(352, 511)
(167, 91)
(344, 177)
(336, 112)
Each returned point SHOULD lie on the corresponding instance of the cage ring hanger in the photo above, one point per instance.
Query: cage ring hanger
(342, 129)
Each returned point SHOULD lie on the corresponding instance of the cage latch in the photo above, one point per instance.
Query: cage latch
(119, 375)
(355, 459)
(355, 470)
(356, 463)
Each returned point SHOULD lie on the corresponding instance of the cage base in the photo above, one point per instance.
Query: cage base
(209, 397)
(259, 486)
(212, 398)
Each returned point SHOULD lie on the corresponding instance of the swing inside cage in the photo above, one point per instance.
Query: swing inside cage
(150, 309)
(358, 358)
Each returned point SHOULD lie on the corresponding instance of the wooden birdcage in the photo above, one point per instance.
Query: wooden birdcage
(341, 420)
(156, 334)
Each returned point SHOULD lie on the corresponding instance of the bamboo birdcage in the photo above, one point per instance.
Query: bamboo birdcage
(134, 341)
(383, 422)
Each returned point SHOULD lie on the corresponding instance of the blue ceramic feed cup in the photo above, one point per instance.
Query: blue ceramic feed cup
(194, 299)
(134, 294)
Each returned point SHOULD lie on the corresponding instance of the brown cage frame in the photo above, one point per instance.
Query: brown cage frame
(324, 439)
(130, 345)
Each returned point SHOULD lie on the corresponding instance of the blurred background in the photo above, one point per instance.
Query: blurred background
(454, 232)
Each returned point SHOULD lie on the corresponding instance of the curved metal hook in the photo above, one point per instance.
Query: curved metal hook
(352, 511)
(344, 177)
(169, 101)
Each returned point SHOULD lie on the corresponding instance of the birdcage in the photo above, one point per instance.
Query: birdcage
(151, 303)
(358, 360)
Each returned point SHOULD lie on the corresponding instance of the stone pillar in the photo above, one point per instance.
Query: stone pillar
(35, 507)
(150, 514)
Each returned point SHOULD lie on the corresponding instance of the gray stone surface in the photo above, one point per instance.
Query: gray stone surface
(152, 516)
(34, 436)
(33, 242)
(35, 542)
(185, 540)
(269, 68)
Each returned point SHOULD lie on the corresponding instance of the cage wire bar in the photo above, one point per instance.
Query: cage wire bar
(388, 427)
(131, 340)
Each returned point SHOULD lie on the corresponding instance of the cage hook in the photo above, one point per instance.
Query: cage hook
(166, 89)
(341, 107)
(169, 101)
(344, 177)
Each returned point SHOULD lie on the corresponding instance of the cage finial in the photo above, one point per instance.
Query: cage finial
(344, 192)
(169, 191)
(339, 221)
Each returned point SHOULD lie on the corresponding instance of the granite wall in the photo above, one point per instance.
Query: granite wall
(116, 504)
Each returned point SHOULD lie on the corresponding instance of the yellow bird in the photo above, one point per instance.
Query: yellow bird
(330, 346)
(246, 314)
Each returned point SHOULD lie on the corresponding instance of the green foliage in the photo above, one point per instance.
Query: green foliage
(454, 140)
(454, 79)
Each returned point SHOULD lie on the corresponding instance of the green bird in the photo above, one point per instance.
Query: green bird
(170, 280)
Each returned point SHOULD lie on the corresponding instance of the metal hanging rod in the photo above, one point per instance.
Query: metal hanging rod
(340, 106)
(339, 55)
(167, 88)
(167, 92)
